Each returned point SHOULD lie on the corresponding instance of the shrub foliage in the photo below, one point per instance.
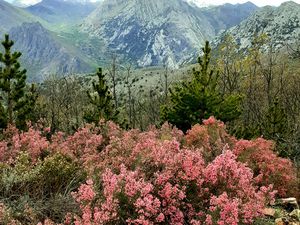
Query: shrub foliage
(106, 175)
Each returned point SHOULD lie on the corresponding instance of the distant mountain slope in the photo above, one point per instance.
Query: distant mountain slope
(158, 32)
(148, 32)
(11, 16)
(226, 16)
(281, 24)
(43, 53)
(62, 11)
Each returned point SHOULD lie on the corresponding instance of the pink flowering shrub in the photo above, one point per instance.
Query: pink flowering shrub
(15, 142)
(151, 178)
(267, 166)
(160, 176)
(258, 154)
(81, 146)
(211, 138)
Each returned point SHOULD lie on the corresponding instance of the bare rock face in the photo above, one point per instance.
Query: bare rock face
(154, 32)
(150, 32)
(281, 24)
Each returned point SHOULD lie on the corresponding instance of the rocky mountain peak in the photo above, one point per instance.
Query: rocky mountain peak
(150, 32)
(281, 24)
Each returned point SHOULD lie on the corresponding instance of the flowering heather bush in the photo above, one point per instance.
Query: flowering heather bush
(16, 142)
(211, 138)
(160, 176)
(258, 154)
(267, 166)
(150, 178)
(81, 146)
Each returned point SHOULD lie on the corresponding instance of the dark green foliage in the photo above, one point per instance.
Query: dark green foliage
(200, 98)
(26, 108)
(3, 117)
(101, 101)
(276, 121)
(275, 127)
(16, 105)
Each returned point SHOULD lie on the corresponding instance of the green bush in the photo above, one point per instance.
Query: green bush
(35, 192)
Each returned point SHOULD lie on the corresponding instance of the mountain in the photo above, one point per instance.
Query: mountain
(44, 53)
(11, 16)
(154, 32)
(62, 11)
(146, 33)
(228, 15)
(23, 3)
(281, 24)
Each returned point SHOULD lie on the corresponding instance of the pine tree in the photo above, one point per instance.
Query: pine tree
(200, 98)
(26, 108)
(12, 86)
(101, 101)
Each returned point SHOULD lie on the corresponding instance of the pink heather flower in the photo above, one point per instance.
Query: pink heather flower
(208, 220)
(47, 129)
(210, 121)
(160, 218)
(85, 192)
(162, 179)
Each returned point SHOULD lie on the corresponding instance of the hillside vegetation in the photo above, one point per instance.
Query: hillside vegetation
(63, 160)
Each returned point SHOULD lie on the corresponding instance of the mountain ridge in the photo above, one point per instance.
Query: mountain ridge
(164, 32)
(281, 24)
(144, 33)
(58, 11)
(43, 54)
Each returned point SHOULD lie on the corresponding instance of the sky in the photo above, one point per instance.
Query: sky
(199, 2)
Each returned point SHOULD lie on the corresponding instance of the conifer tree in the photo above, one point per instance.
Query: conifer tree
(200, 98)
(101, 100)
(26, 108)
(12, 86)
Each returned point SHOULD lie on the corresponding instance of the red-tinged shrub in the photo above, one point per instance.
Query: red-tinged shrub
(146, 178)
(156, 177)
(14, 142)
(82, 146)
(211, 138)
(131, 147)
(259, 155)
